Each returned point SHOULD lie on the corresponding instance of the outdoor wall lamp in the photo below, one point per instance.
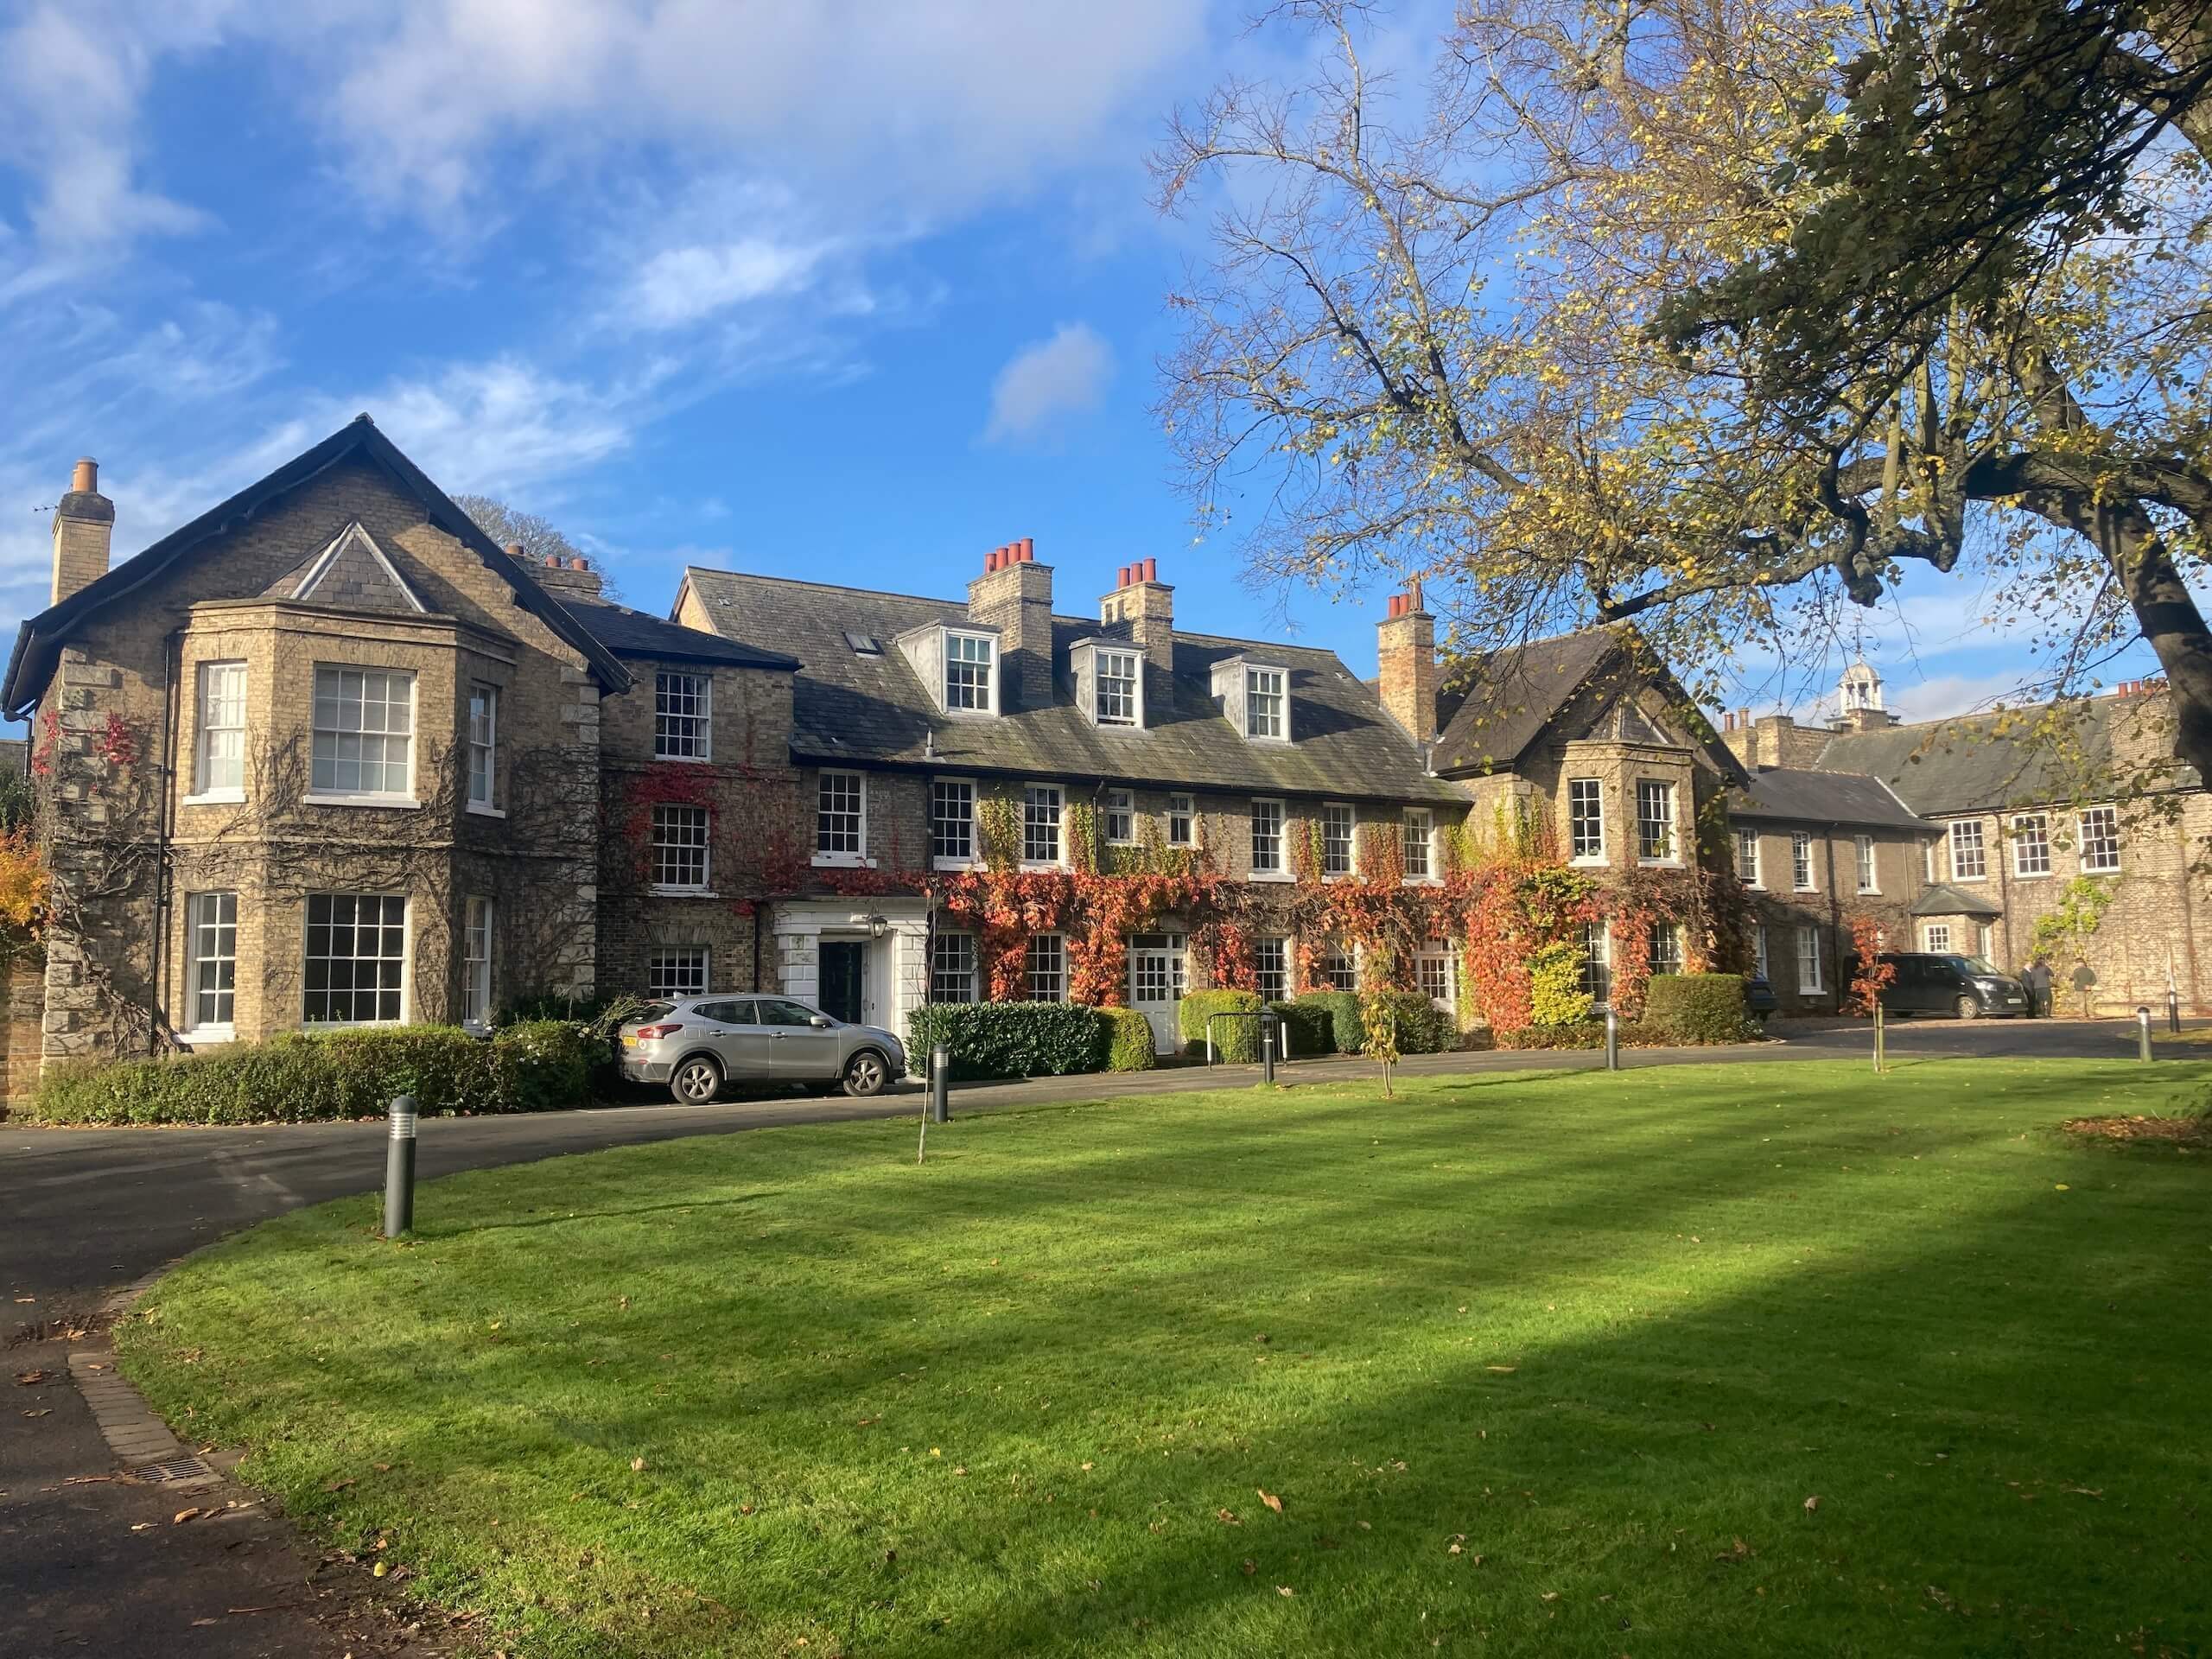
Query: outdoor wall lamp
(878, 926)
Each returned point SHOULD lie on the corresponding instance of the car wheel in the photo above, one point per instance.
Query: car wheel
(1969, 1009)
(696, 1082)
(866, 1074)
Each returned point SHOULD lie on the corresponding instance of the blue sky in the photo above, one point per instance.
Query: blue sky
(833, 290)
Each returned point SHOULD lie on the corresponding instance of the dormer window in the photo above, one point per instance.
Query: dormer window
(971, 673)
(1267, 713)
(1120, 687)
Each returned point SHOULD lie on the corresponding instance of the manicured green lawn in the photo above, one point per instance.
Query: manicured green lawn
(1747, 1359)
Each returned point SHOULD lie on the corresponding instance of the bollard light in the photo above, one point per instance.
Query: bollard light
(1612, 1039)
(940, 1084)
(1270, 1025)
(2142, 1033)
(2173, 1010)
(400, 1168)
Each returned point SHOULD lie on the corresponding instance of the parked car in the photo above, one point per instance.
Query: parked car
(1760, 1000)
(696, 1045)
(1929, 983)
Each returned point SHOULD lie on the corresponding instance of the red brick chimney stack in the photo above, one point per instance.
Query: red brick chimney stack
(1405, 651)
(83, 527)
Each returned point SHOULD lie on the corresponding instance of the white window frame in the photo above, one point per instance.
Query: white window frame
(1264, 680)
(333, 795)
(1928, 861)
(665, 963)
(662, 827)
(1869, 872)
(406, 959)
(1760, 949)
(204, 931)
(856, 856)
(1809, 960)
(476, 944)
(1936, 937)
(1594, 977)
(1586, 820)
(1351, 820)
(1120, 803)
(1030, 794)
(988, 703)
(1058, 974)
(1749, 837)
(1672, 932)
(2040, 841)
(1417, 833)
(1964, 836)
(1133, 661)
(1434, 960)
(1804, 874)
(1183, 813)
(1669, 822)
(1334, 951)
(1280, 870)
(2109, 814)
(1286, 963)
(952, 861)
(206, 702)
(484, 741)
(678, 733)
(951, 944)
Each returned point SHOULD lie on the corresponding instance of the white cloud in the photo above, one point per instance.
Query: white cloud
(1046, 383)
(682, 285)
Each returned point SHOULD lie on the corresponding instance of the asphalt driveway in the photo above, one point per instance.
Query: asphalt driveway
(88, 1565)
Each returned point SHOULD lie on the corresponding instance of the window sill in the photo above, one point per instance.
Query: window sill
(684, 759)
(1668, 863)
(209, 1035)
(1969, 880)
(215, 798)
(1804, 889)
(1271, 875)
(843, 862)
(956, 865)
(2110, 870)
(393, 803)
(1042, 864)
(483, 811)
(1870, 892)
(349, 1025)
(659, 892)
(1420, 881)
(2032, 875)
(1598, 862)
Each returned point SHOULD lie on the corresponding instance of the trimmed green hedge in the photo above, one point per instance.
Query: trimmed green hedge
(1236, 1041)
(1697, 1008)
(1423, 1028)
(538, 1065)
(1306, 1030)
(1005, 1039)
(1126, 1041)
(1347, 1032)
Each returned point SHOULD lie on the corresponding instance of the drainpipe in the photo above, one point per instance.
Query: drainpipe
(172, 655)
(1835, 920)
(2188, 917)
(2004, 891)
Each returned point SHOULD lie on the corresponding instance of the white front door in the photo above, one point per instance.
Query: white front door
(1156, 984)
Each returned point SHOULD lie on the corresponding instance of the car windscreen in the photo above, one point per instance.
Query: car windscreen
(650, 1014)
(1976, 965)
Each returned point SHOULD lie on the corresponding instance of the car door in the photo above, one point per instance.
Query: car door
(801, 1052)
(747, 1051)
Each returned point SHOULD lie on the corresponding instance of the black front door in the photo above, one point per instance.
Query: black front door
(842, 964)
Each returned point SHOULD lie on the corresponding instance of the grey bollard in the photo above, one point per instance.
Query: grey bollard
(1612, 1039)
(940, 1084)
(1268, 1026)
(2142, 1033)
(399, 1169)
(2173, 1012)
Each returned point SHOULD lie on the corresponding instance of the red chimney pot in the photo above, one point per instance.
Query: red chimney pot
(1152, 569)
(1029, 550)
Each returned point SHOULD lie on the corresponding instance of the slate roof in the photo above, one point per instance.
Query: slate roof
(1802, 796)
(38, 642)
(1981, 762)
(856, 708)
(635, 634)
(1945, 901)
(1493, 707)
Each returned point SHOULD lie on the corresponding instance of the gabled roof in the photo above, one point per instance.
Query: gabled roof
(1944, 901)
(2030, 757)
(633, 633)
(38, 644)
(353, 571)
(1801, 796)
(871, 708)
(1494, 707)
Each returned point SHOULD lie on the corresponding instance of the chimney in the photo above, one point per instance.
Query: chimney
(1147, 605)
(571, 580)
(1405, 651)
(84, 526)
(1014, 596)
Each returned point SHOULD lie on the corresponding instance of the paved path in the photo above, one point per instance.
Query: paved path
(86, 1211)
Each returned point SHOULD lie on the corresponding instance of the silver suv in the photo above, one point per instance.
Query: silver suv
(697, 1044)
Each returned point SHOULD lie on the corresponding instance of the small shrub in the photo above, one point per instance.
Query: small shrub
(1341, 1009)
(1236, 1041)
(1423, 1028)
(1005, 1039)
(1307, 1030)
(1697, 1008)
(541, 1066)
(1126, 1041)
(1555, 993)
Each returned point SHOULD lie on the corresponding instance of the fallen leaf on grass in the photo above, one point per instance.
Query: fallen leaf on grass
(1227, 1517)
(637, 1465)
(1503, 1371)
(378, 1570)
(1250, 1568)
(337, 1485)
(1813, 1502)
(1551, 1595)
(1270, 1500)
(1285, 1589)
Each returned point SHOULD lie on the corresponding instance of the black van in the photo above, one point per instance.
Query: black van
(1926, 983)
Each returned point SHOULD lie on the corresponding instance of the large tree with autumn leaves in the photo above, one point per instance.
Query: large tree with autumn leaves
(1716, 314)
